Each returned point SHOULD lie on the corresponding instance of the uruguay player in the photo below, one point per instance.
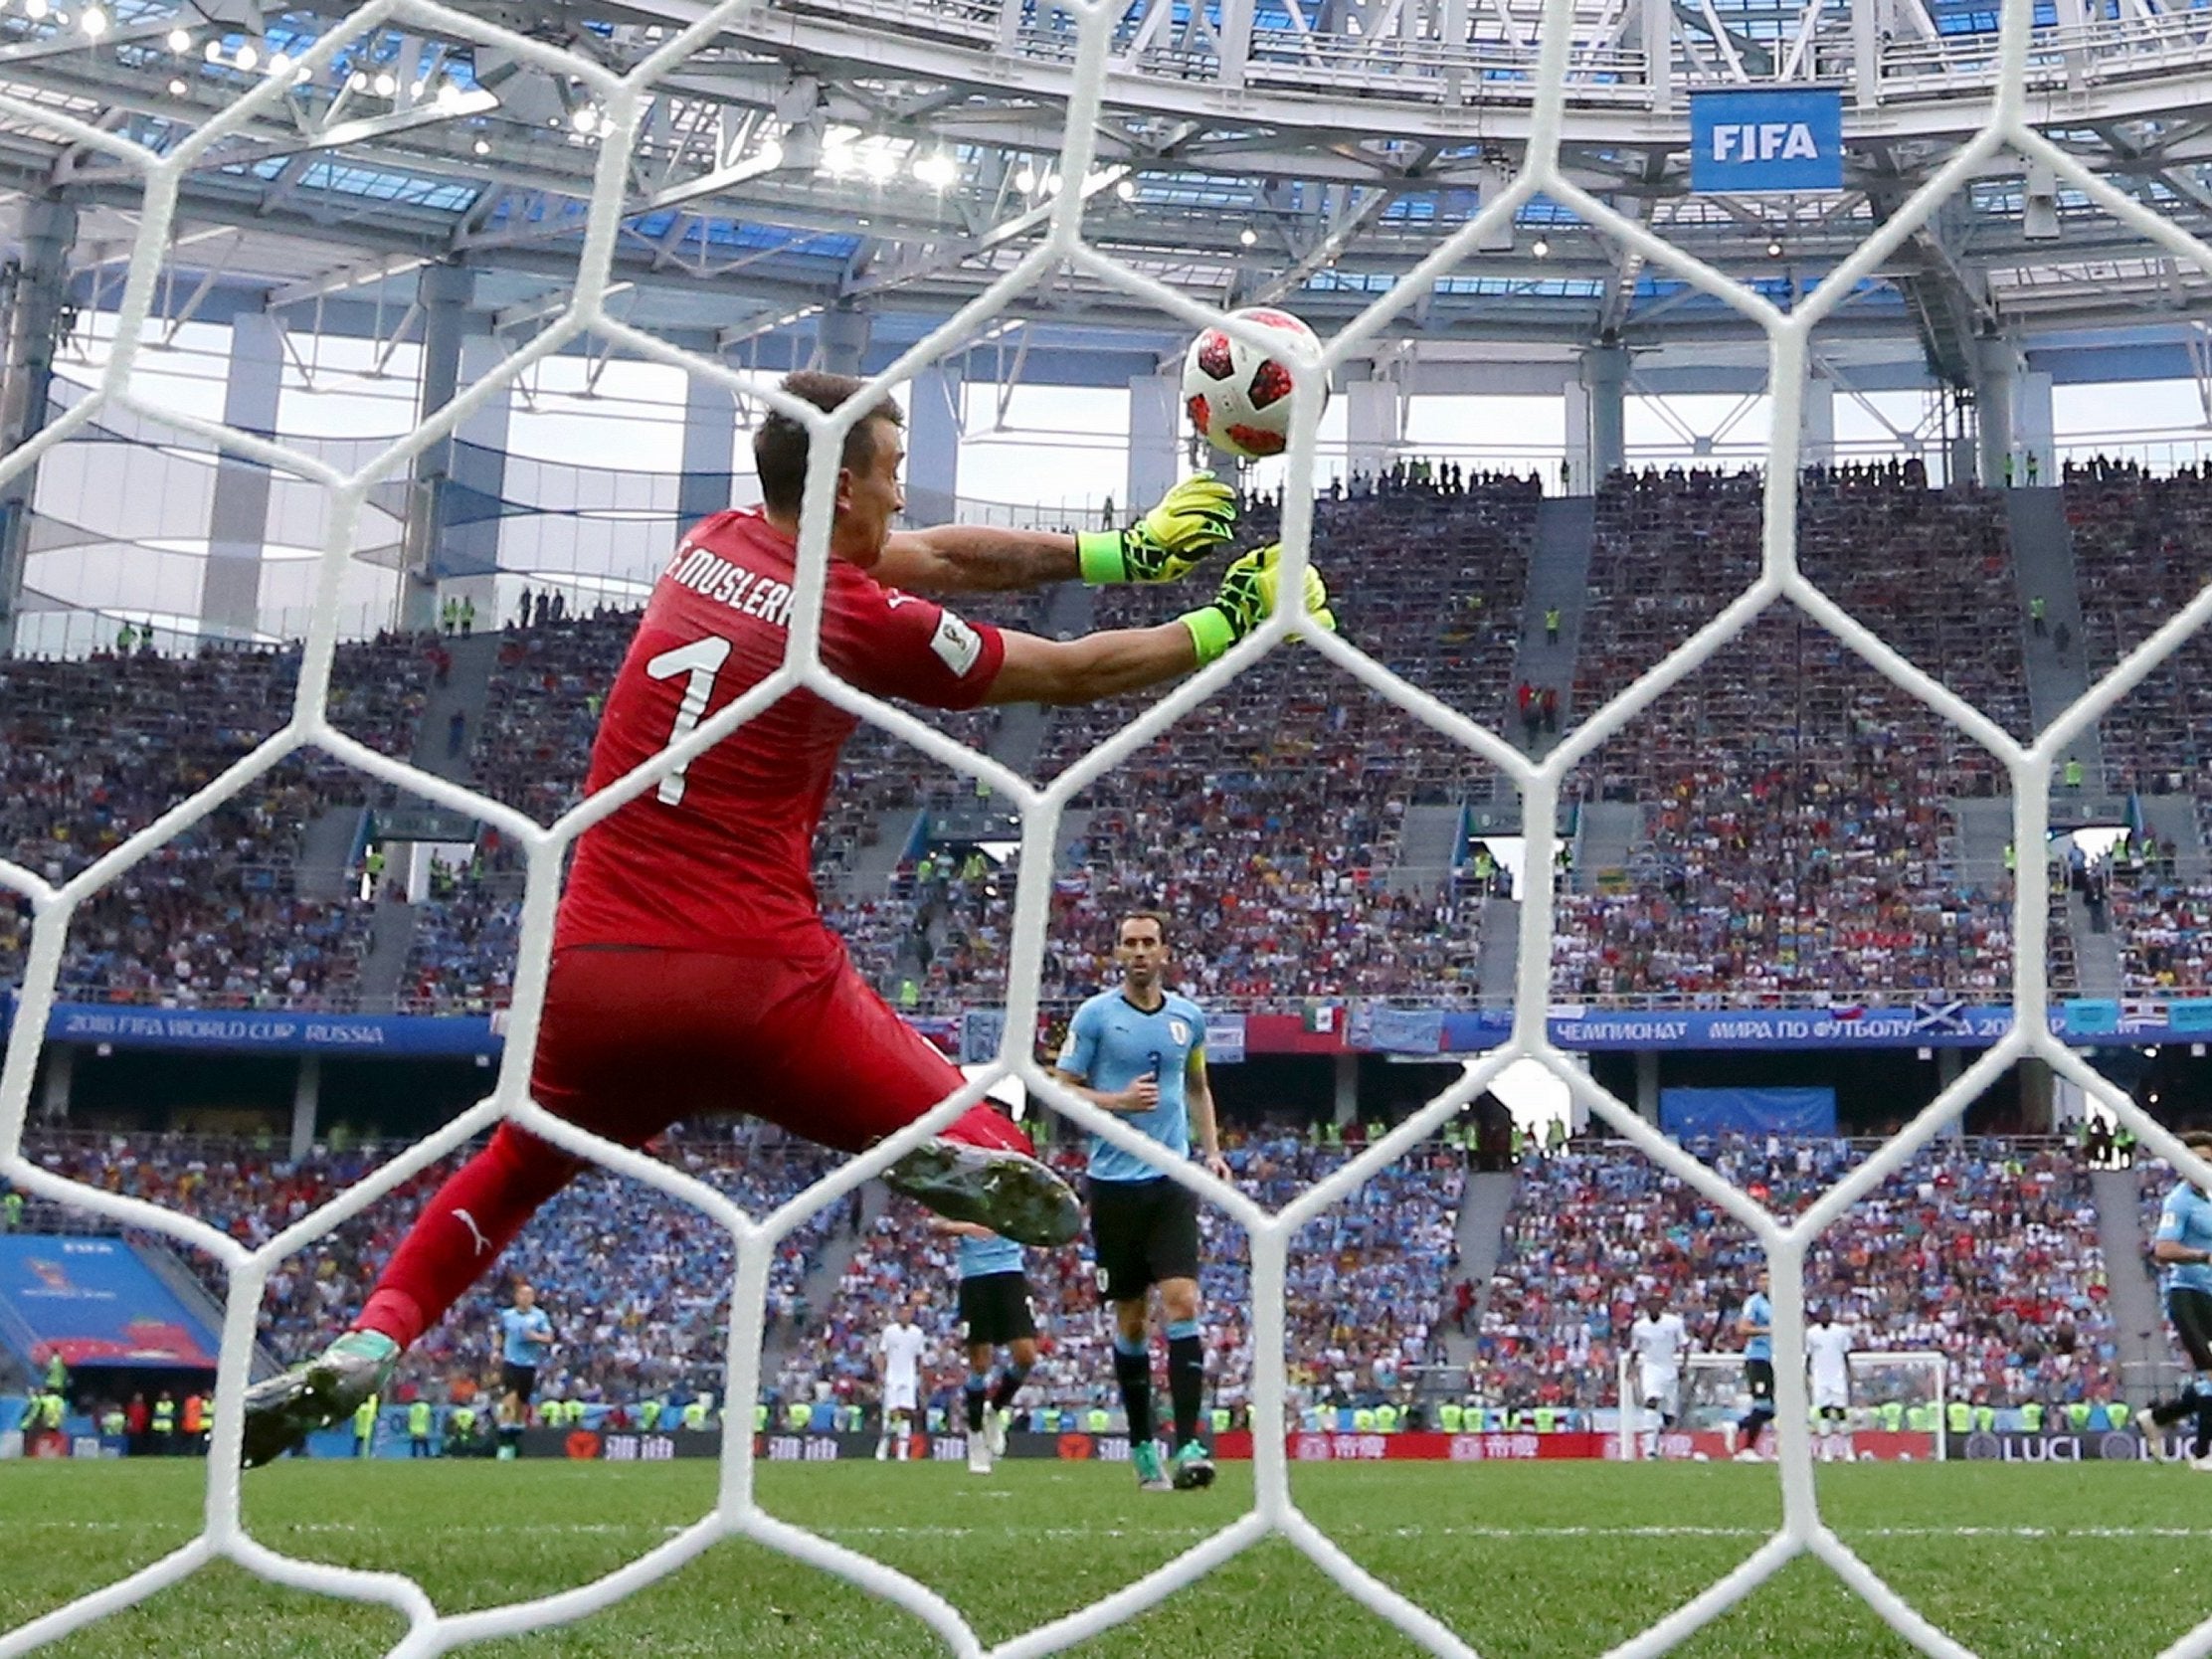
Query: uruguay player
(1755, 1324)
(524, 1335)
(2183, 1247)
(995, 1311)
(1141, 1052)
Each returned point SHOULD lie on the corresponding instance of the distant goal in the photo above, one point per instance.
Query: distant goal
(1899, 1395)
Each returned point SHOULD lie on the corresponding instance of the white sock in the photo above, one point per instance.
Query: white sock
(906, 1439)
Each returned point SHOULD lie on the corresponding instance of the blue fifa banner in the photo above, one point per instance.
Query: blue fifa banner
(94, 1302)
(276, 1030)
(1225, 1039)
(1687, 1114)
(1745, 142)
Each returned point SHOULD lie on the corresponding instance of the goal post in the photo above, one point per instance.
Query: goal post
(1907, 1377)
(1713, 1393)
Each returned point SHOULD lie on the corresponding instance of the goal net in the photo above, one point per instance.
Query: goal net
(1897, 1398)
(1071, 86)
(1901, 1392)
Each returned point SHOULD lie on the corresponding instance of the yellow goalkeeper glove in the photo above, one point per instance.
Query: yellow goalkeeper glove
(1247, 599)
(1191, 521)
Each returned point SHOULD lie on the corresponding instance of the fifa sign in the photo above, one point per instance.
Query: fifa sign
(1745, 142)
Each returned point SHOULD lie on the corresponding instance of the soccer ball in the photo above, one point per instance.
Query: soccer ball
(1238, 396)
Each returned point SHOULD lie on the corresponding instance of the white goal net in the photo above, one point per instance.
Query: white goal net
(1902, 1391)
(622, 101)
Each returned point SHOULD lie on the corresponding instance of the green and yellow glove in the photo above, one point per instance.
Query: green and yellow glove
(1191, 521)
(1247, 599)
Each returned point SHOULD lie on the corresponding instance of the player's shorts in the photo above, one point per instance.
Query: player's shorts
(1143, 1231)
(1759, 1377)
(2192, 1313)
(1830, 1395)
(1662, 1392)
(995, 1308)
(634, 1039)
(899, 1395)
(518, 1381)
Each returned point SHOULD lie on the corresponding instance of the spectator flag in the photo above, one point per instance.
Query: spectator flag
(1940, 1019)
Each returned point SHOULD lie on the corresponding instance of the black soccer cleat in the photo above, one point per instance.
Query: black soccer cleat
(1192, 1470)
(282, 1411)
(1007, 1192)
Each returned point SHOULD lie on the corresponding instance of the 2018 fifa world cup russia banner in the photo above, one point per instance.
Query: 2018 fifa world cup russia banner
(274, 1030)
(94, 1302)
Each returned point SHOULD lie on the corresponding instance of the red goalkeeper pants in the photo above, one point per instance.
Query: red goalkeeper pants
(635, 1039)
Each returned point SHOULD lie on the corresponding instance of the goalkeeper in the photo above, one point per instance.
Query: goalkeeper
(692, 972)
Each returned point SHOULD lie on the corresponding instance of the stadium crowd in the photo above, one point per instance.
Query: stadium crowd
(1984, 1249)
(1367, 1289)
(635, 1282)
(2140, 550)
(1794, 840)
(96, 749)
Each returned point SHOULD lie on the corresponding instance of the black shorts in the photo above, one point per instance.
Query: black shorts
(518, 1381)
(1759, 1377)
(2192, 1313)
(1143, 1231)
(995, 1308)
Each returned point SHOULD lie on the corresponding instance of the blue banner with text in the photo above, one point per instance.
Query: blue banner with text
(1745, 142)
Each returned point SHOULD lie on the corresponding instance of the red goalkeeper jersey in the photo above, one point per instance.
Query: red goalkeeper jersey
(717, 856)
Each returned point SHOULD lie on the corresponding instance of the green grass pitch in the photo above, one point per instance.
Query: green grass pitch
(2081, 1561)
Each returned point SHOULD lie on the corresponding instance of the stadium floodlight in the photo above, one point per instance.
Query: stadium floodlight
(180, 40)
(178, 86)
(1126, 189)
(385, 84)
(1541, 248)
(93, 22)
(247, 57)
(937, 170)
(1025, 180)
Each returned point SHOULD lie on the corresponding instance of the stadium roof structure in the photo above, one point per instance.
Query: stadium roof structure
(896, 155)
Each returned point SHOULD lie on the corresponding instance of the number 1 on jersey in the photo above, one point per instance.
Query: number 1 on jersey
(702, 659)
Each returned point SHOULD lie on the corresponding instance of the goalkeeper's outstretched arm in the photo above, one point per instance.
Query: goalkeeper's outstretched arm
(1194, 519)
(1125, 659)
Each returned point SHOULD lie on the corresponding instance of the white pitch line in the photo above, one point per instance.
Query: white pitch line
(1012, 1530)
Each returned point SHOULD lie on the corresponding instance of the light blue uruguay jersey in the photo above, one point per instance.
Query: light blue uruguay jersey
(982, 1257)
(1111, 1042)
(2186, 1219)
(524, 1335)
(1759, 1311)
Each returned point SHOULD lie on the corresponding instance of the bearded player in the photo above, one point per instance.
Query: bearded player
(1140, 1052)
(691, 969)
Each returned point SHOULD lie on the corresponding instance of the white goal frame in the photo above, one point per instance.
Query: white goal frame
(623, 99)
(1631, 1424)
(1865, 1360)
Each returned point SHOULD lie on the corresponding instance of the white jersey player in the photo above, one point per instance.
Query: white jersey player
(1828, 1358)
(900, 1351)
(1658, 1339)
